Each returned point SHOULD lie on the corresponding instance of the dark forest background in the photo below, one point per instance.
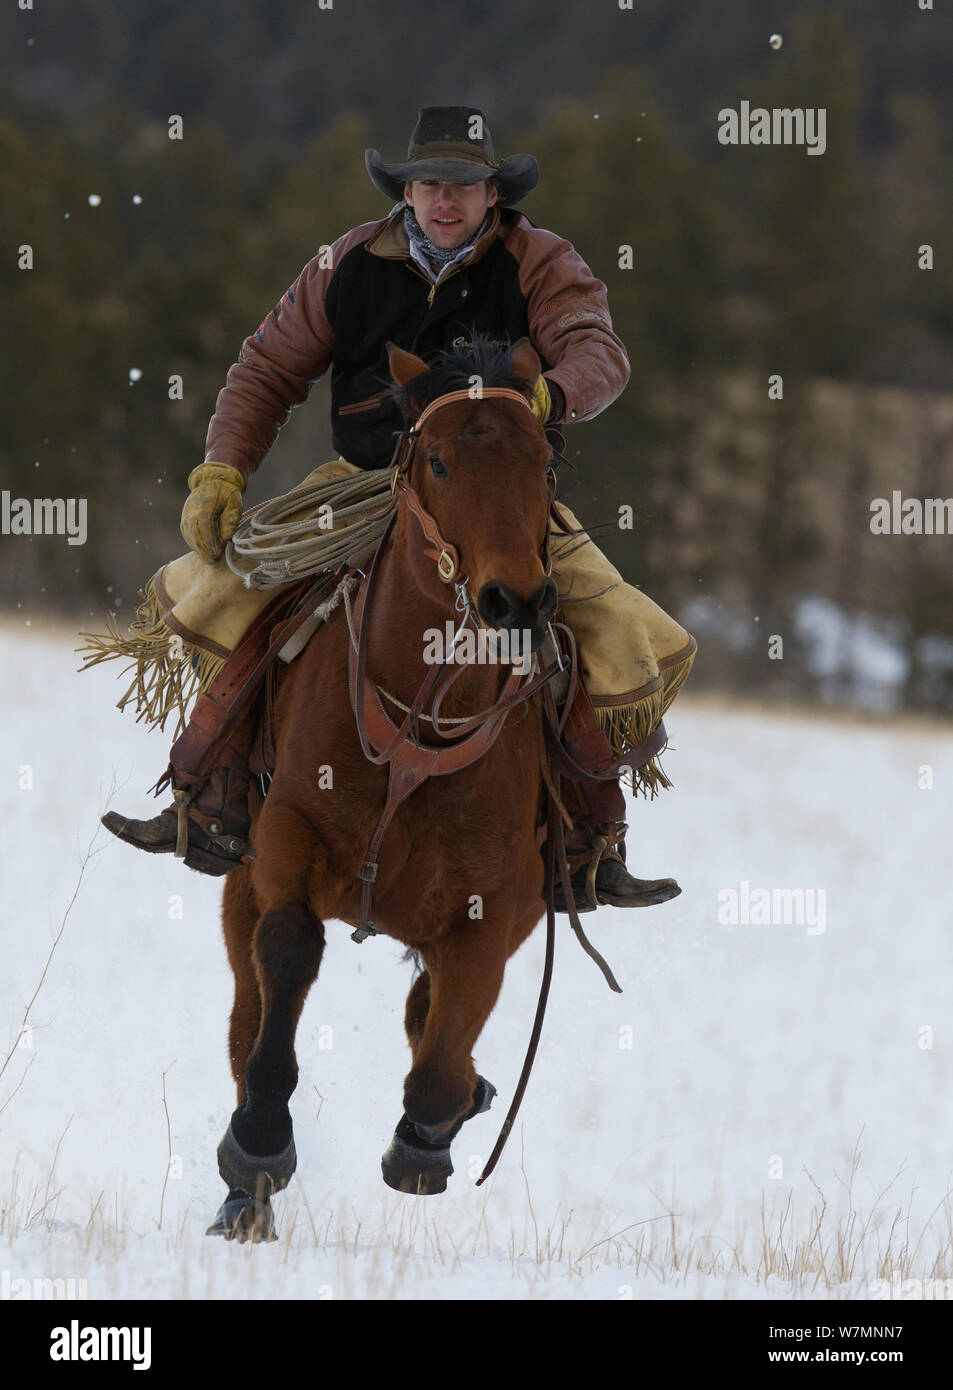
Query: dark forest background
(752, 514)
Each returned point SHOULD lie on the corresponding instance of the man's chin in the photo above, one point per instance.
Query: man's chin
(447, 240)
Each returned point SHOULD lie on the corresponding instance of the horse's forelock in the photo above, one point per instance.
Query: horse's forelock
(454, 371)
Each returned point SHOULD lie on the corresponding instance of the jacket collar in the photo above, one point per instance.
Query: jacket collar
(392, 242)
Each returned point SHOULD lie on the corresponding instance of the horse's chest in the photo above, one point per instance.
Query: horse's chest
(483, 812)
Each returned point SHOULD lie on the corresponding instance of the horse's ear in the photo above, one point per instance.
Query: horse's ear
(404, 366)
(526, 364)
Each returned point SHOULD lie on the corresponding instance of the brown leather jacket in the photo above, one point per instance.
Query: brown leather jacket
(518, 280)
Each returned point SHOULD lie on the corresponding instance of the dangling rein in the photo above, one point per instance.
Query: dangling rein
(412, 762)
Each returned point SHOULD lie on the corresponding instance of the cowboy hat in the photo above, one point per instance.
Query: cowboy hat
(453, 144)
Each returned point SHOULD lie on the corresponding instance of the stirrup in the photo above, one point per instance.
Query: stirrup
(605, 881)
(600, 843)
(183, 798)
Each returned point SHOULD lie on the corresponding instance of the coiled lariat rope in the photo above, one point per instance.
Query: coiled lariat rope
(274, 543)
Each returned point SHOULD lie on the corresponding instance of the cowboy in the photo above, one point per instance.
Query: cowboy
(450, 260)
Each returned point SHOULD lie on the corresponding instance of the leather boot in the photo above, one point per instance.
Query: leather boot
(595, 847)
(216, 819)
(208, 823)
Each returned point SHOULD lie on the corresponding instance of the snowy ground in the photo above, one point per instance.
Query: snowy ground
(763, 1113)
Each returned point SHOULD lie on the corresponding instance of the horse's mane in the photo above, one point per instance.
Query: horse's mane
(452, 371)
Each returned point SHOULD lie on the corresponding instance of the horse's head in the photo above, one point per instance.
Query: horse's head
(476, 472)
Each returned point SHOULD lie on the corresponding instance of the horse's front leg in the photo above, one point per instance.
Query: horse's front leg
(447, 1008)
(465, 981)
(257, 1154)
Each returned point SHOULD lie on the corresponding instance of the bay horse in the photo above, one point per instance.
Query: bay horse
(473, 499)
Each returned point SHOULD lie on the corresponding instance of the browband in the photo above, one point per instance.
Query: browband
(465, 395)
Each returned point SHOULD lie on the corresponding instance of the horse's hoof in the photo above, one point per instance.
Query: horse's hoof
(242, 1218)
(418, 1159)
(260, 1174)
(423, 1172)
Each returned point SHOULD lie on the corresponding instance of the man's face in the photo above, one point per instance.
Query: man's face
(449, 213)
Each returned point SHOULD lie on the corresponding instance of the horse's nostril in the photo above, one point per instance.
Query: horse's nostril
(501, 607)
(547, 600)
(496, 605)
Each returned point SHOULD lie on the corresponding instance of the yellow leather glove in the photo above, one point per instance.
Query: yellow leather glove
(542, 401)
(214, 509)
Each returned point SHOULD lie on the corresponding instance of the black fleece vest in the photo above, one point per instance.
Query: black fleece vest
(371, 301)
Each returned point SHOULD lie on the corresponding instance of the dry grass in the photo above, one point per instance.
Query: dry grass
(779, 1247)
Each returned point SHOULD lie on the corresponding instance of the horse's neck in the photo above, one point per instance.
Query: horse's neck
(403, 613)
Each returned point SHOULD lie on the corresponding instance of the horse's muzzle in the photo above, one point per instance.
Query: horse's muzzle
(502, 608)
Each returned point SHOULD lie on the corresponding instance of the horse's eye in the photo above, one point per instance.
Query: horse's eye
(437, 468)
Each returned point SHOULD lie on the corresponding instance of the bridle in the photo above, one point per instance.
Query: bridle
(447, 560)
(383, 740)
(440, 550)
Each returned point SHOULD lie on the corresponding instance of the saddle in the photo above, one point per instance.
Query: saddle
(231, 730)
(241, 697)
